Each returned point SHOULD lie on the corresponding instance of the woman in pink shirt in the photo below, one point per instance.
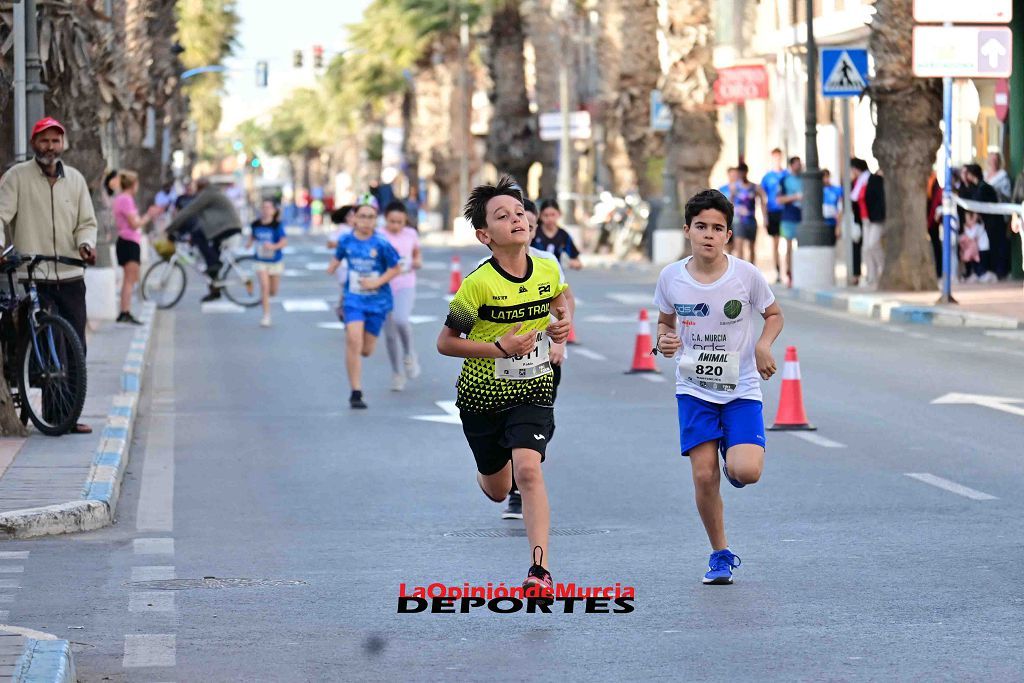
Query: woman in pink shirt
(129, 239)
(398, 328)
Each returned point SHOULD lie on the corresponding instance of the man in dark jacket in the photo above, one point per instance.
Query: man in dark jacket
(217, 221)
(868, 197)
(995, 225)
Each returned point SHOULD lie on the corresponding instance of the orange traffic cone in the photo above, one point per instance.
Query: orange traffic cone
(572, 335)
(456, 277)
(791, 414)
(643, 360)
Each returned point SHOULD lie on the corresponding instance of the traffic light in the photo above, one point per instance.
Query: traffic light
(261, 74)
(297, 59)
(318, 56)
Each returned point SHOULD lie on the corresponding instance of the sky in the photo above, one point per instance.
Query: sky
(272, 31)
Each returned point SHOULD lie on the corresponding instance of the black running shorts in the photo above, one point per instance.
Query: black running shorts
(774, 223)
(492, 436)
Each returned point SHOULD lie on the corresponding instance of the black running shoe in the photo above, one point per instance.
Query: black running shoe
(514, 509)
(356, 400)
(538, 582)
(127, 317)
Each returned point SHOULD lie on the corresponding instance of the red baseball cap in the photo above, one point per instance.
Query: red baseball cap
(45, 123)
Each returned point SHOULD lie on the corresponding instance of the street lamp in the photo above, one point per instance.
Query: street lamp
(814, 261)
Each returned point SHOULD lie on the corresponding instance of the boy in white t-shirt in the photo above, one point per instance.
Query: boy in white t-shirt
(715, 297)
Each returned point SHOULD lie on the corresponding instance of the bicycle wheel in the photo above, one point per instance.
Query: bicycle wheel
(164, 283)
(239, 281)
(52, 375)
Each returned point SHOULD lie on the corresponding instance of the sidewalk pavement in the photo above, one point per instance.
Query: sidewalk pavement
(999, 305)
(28, 656)
(54, 485)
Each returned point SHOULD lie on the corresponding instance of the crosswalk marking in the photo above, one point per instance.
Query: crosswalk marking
(153, 546)
(221, 307)
(950, 486)
(151, 649)
(305, 305)
(14, 554)
(153, 573)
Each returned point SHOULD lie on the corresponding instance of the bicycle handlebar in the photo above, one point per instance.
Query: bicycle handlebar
(14, 259)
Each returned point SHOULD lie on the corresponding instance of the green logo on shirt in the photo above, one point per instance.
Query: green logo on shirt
(732, 309)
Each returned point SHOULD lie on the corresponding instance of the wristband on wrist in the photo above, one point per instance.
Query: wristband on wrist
(498, 344)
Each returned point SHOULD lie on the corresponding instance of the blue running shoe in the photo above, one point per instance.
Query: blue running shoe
(725, 470)
(720, 566)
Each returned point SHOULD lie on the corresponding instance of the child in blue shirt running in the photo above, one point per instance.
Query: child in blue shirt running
(372, 263)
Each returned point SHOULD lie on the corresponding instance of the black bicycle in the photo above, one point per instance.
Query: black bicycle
(44, 360)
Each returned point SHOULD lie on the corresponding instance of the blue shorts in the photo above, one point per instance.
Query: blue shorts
(735, 422)
(373, 321)
(789, 229)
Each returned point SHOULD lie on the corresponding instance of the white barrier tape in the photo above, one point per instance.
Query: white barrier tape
(991, 208)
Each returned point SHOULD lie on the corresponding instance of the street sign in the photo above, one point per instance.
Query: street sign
(551, 126)
(963, 51)
(844, 71)
(661, 113)
(960, 12)
(1001, 101)
(741, 83)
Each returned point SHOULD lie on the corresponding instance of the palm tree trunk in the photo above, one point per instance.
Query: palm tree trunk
(547, 54)
(687, 88)
(906, 139)
(512, 139)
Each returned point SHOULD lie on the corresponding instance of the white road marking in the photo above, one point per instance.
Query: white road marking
(610, 319)
(632, 298)
(153, 546)
(8, 583)
(305, 305)
(656, 379)
(154, 649)
(318, 265)
(156, 491)
(153, 573)
(151, 601)
(331, 326)
(14, 554)
(435, 265)
(817, 439)
(448, 298)
(1013, 335)
(6, 598)
(289, 272)
(587, 353)
(950, 486)
(451, 415)
(221, 307)
(1001, 403)
(420, 319)
(4, 614)
(12, 569)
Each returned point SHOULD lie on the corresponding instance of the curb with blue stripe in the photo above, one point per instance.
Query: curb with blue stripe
(879, 307)
(45, 661)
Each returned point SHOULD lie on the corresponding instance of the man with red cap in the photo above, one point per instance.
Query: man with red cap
(45, 208)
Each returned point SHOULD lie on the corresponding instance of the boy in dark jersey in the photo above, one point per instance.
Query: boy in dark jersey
(554, 239)
(499, 321)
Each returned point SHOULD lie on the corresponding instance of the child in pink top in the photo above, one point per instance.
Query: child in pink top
(398, 328)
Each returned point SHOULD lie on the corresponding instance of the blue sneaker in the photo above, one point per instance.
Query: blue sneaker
(720, 566)
(725, 470)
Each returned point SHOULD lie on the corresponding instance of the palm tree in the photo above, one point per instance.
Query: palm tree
(549, 52)
(687, 88)
(631, 68)
(906, 139)
(512, 142)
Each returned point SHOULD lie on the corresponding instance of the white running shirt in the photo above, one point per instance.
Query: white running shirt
(720, 325)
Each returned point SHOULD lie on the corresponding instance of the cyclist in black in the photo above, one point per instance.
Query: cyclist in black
(217, 221)
(554, 239)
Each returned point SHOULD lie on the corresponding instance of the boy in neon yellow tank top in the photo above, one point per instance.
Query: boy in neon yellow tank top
(499, 321)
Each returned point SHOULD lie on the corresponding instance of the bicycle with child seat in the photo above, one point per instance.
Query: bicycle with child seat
(44, 359)
(165, 281)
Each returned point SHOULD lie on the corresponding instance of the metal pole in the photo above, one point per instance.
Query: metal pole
(815, 239)
(20, 123)
(464, 106)
(668, 217)
(35, 89)
(564, 150)
(844, 178)
(949, 243)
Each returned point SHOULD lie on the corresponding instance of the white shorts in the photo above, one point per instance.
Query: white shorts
(270, 268)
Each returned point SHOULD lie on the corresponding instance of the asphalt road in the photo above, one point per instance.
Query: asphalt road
(248, 464)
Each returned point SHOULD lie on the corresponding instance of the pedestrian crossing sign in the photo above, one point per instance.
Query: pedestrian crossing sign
(844, 71)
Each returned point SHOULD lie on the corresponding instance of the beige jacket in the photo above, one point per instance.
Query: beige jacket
(39, 219)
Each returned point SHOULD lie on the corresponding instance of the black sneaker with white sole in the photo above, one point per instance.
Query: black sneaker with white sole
(514, 509)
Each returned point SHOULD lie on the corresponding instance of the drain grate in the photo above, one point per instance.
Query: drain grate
(212, 582)
(520, 532)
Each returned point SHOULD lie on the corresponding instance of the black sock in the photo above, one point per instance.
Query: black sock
(514, 489)
(356, 394)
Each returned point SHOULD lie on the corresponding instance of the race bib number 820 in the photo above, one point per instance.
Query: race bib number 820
(714, 370)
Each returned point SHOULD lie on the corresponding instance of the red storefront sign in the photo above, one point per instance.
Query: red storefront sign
(741, 83)
(1002, 99)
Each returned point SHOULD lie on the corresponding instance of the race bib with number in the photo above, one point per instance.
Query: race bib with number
(265, 252)
(714, 370)
(534, 364)
(354, 284)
